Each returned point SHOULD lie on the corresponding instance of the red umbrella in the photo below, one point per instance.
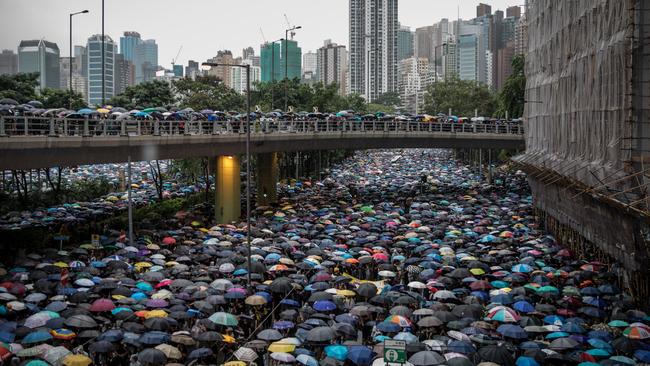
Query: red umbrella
(380, 257)
(169, 240)
(164, 283)
(102, 305)
(480, 285)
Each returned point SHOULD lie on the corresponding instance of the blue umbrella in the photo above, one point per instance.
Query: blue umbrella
(154, 337)
(387, 327)
(464, 347)
(7, 337)
(337, 352)
(512, 331)
(526, 361)
(522, 268)
(361, 355)
(112, 335)
(346, 318)
(523, 306)
(37, 337)
(556, 335)
(599, 343)
(200, 353)
(290, 302)
(642, 355)
(531, 345)
(406, 337)
(85, 111)
(283, 324)
(503, 299)
(307, 360)
(324, 305)
(572, 328)
(554, 320)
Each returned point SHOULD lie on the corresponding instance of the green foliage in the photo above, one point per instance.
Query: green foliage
(20, 87)
(56, 98)
(208, 93)
(512, 96)
(462, 96)
(388, 99)
(154, 93)
(375, 108)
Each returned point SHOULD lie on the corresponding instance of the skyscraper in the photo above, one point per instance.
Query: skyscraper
(483, 10)
(373, 47)
(8, 62)
(405, 46)
(309, 63)
(192, 69)
(43, 57)
(223, 72)
(238, 76)
(248, 53)
(142, 53)
(521, 36)
(332, 65)
(94, 47)
(273, 60)
(124, 73)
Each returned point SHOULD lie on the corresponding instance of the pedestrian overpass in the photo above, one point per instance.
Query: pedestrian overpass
(30, 143)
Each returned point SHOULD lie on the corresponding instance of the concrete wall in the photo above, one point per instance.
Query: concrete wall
(587, 125)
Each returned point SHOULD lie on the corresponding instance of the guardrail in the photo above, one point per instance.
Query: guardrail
(67, 127)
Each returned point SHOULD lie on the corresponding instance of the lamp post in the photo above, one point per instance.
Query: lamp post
(248, 155)
(273, 71)
(70, 81)
(286, 65)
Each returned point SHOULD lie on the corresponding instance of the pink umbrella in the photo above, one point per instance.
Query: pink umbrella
(102, 305)
(169, 241)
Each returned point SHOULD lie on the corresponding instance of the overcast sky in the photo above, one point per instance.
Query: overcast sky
(203, 27)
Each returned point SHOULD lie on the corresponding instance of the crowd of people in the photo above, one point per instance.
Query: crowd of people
(407, 246)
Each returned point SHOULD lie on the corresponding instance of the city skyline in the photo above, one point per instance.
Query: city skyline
(51, 21)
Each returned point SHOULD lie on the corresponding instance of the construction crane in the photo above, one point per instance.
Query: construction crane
(176, 58)
(264, 38)
(293, 33)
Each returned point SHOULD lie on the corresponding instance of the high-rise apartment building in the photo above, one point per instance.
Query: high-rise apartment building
(449, 60)
(42, 57)
(373, 47)
(405, 46)
(223, 72)
(332, 65)
(8, 62)
(95, 84)
(81, 59)
(513, 12)
(124, 73)
(309, 62)
(238, 76)
(248, 53)
(414, 78)
(192, 69)
(521, 36)
(483, 10)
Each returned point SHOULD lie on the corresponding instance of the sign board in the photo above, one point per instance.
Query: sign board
(394, 351)
(94, 240)
(62, 237)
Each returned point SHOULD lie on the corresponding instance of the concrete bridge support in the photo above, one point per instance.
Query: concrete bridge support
(267, 178)
(227, 200)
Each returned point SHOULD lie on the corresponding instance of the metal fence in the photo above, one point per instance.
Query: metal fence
(63, 127)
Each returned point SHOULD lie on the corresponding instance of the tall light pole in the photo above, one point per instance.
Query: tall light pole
(273, 71)
(286, 65)
(70, 64)
(248, 156)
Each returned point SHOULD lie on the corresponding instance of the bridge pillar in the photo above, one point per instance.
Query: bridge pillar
(267, 178)
(227, 200)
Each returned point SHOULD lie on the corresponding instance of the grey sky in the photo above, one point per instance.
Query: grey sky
(205, 26)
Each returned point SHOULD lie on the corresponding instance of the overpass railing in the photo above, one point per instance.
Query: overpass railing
(11, 126)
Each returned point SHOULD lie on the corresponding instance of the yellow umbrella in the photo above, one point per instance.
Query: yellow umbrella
(171, 263)
(77, 360)
(61, 264)
(153, 247)
(228, 338)
(103, 110)
(204, 230)
(143, 264)
(282, 347)
(86, 246)
(118, 297)
(477, 271)
(155, 314)
(235, 363)
(346, 293)
(468, 258)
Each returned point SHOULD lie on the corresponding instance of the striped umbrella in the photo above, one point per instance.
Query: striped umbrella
(62, 333)
(402, 321)
(637, 331)
(503, 314)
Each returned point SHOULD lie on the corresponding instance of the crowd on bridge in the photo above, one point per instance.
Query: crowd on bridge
(405, 246)
(11, 108)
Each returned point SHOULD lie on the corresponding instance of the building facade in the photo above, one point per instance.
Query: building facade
(373, 47)
(8, 62)
(192, 69)
(332, 65)
(309, 67)
(142, 53)
(42, 57)
(223, 72)
(414, 78)
(405, 45)
(98, 94)
(238, 76)
(124, 73)
(272, 60)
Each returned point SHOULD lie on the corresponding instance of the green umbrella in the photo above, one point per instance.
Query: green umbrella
(222, 318)
(548, 290)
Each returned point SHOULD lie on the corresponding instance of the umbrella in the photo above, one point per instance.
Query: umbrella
(245, 354)
(77, 360)
(320, 335)
(424, 358)
(497, 354)
(101, 347)
(336, 352)
(360, 355)
(225, 319)
(152, 356)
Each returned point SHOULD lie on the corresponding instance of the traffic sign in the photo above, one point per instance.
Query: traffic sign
(394, 351)
(94, 240)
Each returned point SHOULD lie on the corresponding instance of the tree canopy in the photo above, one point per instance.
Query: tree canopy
(207, 92)
(512, 96)
(463, 97)
(20, 87)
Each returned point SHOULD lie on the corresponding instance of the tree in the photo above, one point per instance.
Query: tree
(512, 96)
(461, 96)
(20, 87)
(207, 92)
(154, 93)
(390, 99)
(56, 98)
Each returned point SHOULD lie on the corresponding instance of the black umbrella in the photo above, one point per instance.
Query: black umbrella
(497, 354)
(269, 335)
(367, 290)
(281, 285)
(320, 334)
(152, 356)
(425, 358)
(81, 321)
(8, 101)
(101, 347)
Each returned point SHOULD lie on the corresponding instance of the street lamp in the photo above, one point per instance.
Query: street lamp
(248, 155)
(286, 65)
(71, 15)
(273, 71)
